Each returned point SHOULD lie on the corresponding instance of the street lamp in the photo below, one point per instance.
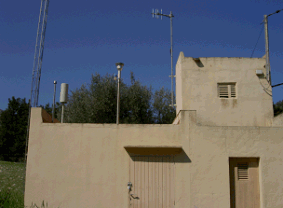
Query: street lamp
(53, 107)
(119, 67)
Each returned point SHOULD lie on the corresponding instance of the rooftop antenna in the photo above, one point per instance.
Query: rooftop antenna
(155, 13)
(265, 20)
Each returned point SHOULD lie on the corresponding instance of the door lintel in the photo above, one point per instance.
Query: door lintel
(153, 150)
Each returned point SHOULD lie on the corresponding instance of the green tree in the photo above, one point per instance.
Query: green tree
(163, 112)
(97, 102)
(94, 103)
(136, 103)
(278, 108)
(13, 127)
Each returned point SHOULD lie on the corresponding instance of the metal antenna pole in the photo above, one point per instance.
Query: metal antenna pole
(171, 51)
(157, 14)
(53, 108)
(267, 65)
(268, 68)
(118, 98)
(62, 113)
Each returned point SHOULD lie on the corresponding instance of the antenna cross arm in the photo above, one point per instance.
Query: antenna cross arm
(166, 15)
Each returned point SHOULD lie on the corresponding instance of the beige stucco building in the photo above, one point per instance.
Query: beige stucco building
(224, 148)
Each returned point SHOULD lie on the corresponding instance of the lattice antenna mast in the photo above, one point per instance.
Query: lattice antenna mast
(38, 54)
(37, 63)
(155, 13)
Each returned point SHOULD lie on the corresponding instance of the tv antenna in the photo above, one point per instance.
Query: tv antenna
(155, 13)
(38, 54)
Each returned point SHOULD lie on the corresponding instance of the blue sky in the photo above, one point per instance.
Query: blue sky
(84, 37)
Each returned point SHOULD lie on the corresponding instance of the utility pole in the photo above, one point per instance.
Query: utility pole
(267, 65)
(268, 70)
(157, 14)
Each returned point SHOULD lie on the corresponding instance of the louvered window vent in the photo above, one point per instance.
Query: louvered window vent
(226, 90)
(243, 169)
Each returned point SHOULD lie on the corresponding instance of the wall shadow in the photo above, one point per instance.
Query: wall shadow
(177, 153)
(198, 62)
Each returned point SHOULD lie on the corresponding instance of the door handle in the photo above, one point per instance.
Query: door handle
(132, 195)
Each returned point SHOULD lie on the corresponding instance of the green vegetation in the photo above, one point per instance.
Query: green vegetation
(278, 108)
(12, 177)
(97, 103)
(13, 129)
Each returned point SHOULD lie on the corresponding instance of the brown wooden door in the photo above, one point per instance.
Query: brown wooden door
(152, 181)
(244, 183)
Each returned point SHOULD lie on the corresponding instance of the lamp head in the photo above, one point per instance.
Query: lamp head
(119, 66)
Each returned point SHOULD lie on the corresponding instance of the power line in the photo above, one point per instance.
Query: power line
(277, 85)
(257, 41)
(275, 12)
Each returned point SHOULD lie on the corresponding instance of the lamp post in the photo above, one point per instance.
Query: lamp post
(119, 67)
(53, 107)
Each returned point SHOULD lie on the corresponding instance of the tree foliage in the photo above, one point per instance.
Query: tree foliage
(137, 103)
(163, 112)
(13, 129)
(278, 108)
(97, 102)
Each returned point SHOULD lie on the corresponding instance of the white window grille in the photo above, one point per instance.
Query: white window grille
(226, 90)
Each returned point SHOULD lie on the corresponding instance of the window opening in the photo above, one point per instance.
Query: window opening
(227, 90)
(243, 171)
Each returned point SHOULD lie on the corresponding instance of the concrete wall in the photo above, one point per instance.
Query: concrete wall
(196, 89)
(86, 165)
(278, 120)
(211, 148)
